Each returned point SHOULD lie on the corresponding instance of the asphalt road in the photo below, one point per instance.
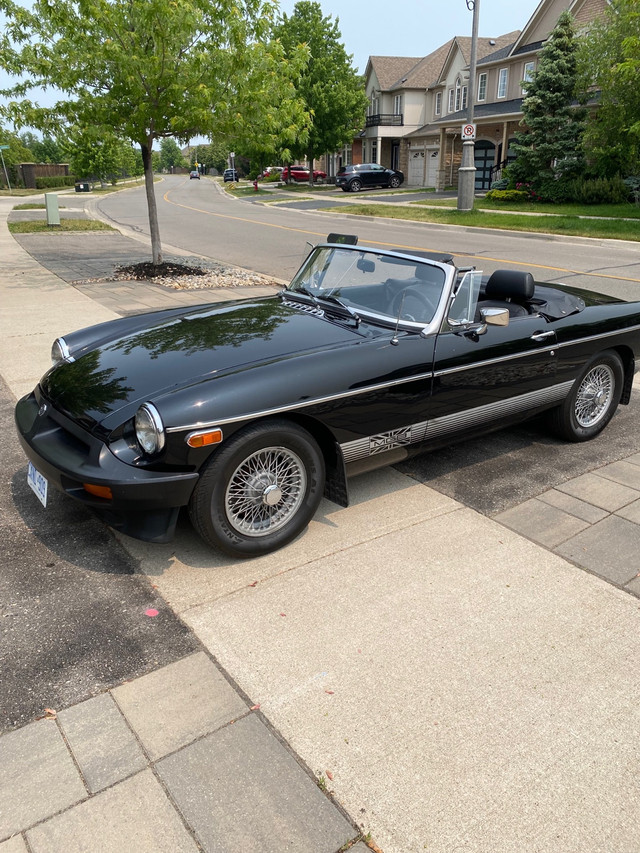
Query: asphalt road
(198, 218)
(72, 612)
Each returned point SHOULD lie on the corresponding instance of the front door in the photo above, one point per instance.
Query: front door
(483, 160)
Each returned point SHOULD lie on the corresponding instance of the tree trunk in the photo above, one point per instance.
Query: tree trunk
(310, 159)
(154, 228)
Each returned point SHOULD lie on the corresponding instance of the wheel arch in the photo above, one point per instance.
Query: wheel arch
(629, 365)
(336, 488)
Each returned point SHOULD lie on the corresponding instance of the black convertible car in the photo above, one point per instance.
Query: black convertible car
(247, 412)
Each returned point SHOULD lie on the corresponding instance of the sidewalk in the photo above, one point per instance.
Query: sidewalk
(453, 683)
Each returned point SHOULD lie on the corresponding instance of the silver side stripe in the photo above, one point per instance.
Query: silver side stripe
(456, 422)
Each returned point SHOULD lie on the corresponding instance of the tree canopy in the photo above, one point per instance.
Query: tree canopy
(331, 89)
(610, 59)
(146, 69)
(549, 146)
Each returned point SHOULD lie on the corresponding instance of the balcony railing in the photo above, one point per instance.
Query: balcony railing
(384, 118)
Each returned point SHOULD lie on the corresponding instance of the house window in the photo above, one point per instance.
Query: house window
(374, 151)
(464, 97)
(458, 95)
(451, 97)
(397, 105)
(502, 83)
(527, 75)
(482, 87)
(438, 107)
(348, 155)
(373, 106)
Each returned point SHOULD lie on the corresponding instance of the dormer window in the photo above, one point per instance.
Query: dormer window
(458, 94)
(502, 83)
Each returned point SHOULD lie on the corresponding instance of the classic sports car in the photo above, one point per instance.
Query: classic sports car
(249, 411)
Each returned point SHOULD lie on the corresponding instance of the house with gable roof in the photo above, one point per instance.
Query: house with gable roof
(417, 107)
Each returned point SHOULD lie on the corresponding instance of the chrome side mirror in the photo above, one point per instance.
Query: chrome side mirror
(495, 316)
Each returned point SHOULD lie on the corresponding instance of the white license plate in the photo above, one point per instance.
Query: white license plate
(38, 483)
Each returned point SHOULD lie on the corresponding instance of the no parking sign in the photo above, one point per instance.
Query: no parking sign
(468, 132)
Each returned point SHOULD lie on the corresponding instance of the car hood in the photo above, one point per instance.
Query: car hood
(173, 352)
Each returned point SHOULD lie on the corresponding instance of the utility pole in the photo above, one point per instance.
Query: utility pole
(467, 171)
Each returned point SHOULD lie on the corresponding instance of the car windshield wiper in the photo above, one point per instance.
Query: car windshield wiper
(329, 297)
(317, 300)
(300, 289)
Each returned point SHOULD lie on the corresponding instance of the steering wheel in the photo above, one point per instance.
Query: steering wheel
(416, 307)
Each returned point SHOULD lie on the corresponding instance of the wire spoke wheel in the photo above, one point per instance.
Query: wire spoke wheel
(592, 401)
(594, 395)
(260, 489)
(265, 491)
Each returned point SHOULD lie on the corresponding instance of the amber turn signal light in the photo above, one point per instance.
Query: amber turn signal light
(204, 438)
(98, 491)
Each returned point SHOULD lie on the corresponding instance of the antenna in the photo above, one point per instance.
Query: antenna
(394, 340)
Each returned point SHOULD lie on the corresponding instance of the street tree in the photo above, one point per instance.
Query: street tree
(16, 153)
(93, 153)
(145, 69)
(550, 145)
(330, 87)
(171, 155)
(609, 59)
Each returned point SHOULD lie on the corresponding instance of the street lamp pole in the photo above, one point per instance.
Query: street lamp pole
(467, 171)
(6, 174)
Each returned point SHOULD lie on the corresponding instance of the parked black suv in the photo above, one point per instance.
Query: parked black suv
(361, 176)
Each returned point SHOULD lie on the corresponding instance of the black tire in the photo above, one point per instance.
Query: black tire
(259, 490)
(394, 182)
(592, 400)
(355, 186)
(344, 189)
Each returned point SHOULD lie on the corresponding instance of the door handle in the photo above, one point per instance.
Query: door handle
(542, 336)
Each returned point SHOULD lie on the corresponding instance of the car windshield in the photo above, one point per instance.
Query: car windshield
(377, 284)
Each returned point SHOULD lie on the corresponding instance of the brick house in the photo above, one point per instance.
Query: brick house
(417, 106)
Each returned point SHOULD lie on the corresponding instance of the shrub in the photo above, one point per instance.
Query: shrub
(598, 190)
(55, 181)
(632, 184)
(552, 190)
(502, 184)
(507, 195)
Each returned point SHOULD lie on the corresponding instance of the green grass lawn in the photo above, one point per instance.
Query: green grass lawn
(66, 225)
(615, 229)
(626, 211)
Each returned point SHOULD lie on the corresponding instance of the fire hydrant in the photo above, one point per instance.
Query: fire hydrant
(255, 185)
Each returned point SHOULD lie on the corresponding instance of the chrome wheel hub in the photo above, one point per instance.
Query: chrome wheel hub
(594, 395)
(265, 491)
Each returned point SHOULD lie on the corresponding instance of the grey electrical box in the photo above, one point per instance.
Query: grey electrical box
(53, 213)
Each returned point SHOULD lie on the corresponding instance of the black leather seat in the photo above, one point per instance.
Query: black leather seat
(510, 289)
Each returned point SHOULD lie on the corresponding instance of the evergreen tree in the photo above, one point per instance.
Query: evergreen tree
(550, 145)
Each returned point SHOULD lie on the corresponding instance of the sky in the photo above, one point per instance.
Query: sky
(414, 28)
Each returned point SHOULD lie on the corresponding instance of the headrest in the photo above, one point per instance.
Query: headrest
(510, 284)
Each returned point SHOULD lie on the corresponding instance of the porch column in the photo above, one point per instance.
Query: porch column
(505, 139)
(441, 176)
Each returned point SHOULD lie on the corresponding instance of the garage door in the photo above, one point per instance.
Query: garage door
(433, 163)
(416, 168)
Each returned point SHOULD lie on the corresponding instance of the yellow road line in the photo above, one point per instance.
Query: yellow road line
(400, 245)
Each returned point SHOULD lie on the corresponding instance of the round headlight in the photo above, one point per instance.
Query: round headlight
(149, 429)
(59, 351)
